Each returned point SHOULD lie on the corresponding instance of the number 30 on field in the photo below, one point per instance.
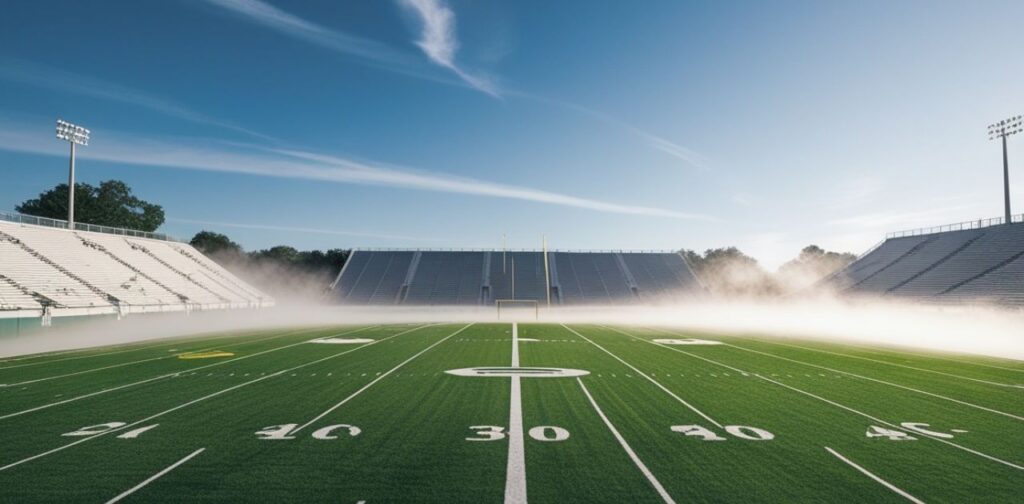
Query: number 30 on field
(547, 433)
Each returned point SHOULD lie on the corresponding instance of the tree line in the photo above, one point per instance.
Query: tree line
(287, 271)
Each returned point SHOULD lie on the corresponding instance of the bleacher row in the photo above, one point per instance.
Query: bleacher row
(412, 277)
(62, 272)
(984, 264)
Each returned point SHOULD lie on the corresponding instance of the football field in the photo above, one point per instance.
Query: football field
(508, 413)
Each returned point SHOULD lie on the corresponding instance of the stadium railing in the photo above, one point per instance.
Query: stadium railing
(80, 226)
(958, 226)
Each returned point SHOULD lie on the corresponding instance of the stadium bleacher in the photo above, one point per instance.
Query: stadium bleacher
(53, 271)
(979, 264)
(484, 277)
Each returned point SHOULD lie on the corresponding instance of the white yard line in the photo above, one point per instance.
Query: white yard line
(163, 342)
(833, 403)
(904, 387)
(645, 375)
(884, 483)
(629, 451)
(198, 400)
(515, 469)
(168, 375)
(112, 366)
(379, 378)
(154, 477)
(951, 375)
(232, 345)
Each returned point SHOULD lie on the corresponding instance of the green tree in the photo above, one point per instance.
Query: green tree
(209, 242)
(111, 204)
(813, 264)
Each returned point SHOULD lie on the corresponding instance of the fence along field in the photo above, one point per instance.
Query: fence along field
(508, 412)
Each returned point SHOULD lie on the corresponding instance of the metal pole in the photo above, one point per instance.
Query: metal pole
(71, 189)
(503, 247)
(547, 272)
(513, 278)
(1006, 181)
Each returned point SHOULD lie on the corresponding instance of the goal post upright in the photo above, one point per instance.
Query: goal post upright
(547, 270)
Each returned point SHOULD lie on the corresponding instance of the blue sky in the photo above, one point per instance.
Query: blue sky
(444, 123)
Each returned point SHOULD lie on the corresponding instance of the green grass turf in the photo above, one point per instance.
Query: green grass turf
(415, 419)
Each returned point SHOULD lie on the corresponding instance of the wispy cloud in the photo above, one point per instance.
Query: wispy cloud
(297, 164)
(267, 15)
(687, 155)
(439, 43)
(293, 229)
(370, 52)
(42, 76)
(902, 219)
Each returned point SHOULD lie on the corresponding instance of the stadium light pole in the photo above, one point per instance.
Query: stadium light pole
(75, 135)
(1003, 129)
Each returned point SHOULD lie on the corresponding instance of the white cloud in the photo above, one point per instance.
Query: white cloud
(42, 76)
(371, 52)
(306, 230)
(261, 161)
(687, 155)
(438, 40)
(882, 221)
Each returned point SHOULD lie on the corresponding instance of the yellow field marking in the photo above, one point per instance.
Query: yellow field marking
(205, 355)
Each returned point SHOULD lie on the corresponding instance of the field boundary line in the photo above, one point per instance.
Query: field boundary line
(833, 403)
(653, 480)
(155, 477)
(178, 341)
(652, 380)
(891, 384)
(168, 375)
(515, 467)
(379, 378)
(951, 375)
(201, 399)
(205, 349)
(912, 389)
(867, 473)
(76, 373)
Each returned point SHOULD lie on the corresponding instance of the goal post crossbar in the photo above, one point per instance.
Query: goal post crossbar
(528, 304)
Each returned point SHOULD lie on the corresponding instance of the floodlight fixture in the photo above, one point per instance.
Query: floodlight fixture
(1001, 130)
(74, 135)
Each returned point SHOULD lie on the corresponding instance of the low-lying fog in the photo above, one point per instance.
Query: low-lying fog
(972, 330)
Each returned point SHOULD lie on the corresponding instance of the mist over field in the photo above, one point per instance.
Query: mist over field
(979, 330)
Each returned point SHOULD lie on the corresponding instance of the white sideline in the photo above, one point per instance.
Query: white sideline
(112, 366)
(629, 451)
(160, 377)
(931, 394)
(201, 399)
(379, 378)
(162, 342)
(154, 477)
(951, 375)
(515, 468)
(643, 374)
(833, 403)
(884, 483)
(230, 345)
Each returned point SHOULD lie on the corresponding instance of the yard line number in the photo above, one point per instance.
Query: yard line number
(544, 433)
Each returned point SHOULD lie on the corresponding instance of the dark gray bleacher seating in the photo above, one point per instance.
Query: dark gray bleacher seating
(447, 278)
(481, 278)
(984, 264)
